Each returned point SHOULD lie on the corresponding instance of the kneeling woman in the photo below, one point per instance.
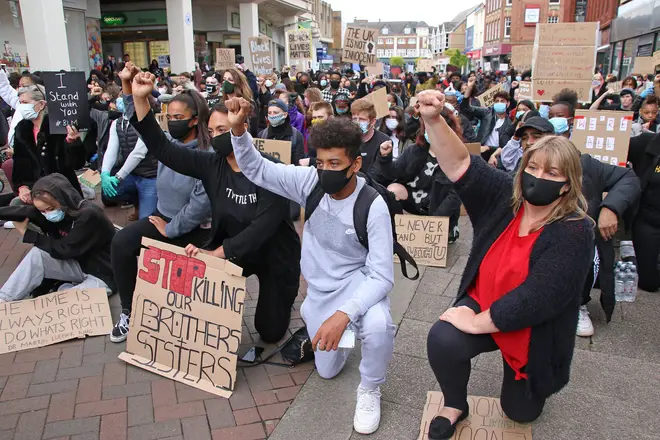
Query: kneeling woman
(520, 292)
(74, 246)
(250, 226)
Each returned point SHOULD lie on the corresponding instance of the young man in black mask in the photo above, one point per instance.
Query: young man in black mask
(333, 88)
(212, 90)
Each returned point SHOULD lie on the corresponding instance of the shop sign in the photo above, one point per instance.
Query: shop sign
(114, 20)
(155, 17)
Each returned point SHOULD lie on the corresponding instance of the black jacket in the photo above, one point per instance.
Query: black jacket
(549, 299)
(84, 235)
(488, 117)
(50, 154)
(286, 132)
(269, 242)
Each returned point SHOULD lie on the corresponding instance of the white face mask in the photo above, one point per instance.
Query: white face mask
(27, 111)
(269, 83)
(162, 90)
(391, 123)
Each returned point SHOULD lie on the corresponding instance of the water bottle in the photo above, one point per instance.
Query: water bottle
(618, 282)
(631, 285)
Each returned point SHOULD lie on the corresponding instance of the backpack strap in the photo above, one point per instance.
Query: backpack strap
(405, 257)
(313, 200)
(363, 203)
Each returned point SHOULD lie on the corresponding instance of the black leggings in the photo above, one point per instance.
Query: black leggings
(450, 351)
(646, 239)
(126, 246)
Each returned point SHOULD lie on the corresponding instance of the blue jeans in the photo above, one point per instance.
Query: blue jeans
(140, 189)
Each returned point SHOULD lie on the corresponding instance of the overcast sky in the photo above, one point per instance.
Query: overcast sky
(432, 12)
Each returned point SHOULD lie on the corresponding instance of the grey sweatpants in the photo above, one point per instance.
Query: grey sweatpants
(38, 265)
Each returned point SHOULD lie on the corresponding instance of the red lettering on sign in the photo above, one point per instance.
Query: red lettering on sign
(179, 271)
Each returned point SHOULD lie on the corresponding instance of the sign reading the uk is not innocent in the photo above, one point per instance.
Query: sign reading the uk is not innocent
(360, 46)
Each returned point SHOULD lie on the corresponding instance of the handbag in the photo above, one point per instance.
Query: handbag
(296, 350)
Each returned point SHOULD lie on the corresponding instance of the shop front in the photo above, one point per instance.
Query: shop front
(497, 56)
(475, 58)
(634, 33)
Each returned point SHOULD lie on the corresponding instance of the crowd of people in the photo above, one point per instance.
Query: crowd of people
(545, 216)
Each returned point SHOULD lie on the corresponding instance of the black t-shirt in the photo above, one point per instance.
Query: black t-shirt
(213, 100)
(651, 197)
(369, 150)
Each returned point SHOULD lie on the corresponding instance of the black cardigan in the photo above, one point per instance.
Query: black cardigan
(549, 299)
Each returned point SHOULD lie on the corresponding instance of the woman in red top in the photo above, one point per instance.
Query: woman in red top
(520, 293)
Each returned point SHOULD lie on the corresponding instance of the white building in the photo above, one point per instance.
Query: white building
(475, 23)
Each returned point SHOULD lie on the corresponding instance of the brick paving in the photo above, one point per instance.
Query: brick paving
(79, 390)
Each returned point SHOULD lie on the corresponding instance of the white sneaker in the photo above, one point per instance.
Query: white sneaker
(367, 411)
(585, 327)
(9, 225)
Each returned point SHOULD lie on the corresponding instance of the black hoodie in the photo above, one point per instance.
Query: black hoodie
(84, 235)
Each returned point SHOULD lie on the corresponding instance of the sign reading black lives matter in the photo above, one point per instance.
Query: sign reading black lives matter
(299, 43)
(66, 95)
(186, 318)
(360, 46)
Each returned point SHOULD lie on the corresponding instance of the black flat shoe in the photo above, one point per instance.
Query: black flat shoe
(441, 429)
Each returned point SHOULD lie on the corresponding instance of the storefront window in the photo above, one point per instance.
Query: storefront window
(137, 50)
(616, 58)
(657, 42)
(629, 52)
(159, 49)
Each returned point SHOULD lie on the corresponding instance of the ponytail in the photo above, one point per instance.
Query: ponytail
(199, 108)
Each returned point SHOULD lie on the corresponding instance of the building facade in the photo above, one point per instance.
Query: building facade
(635, 32)
(474, 36)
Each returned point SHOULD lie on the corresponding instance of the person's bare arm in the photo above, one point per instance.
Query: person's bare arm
(599, 101)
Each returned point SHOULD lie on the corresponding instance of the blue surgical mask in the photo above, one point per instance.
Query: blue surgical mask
(519, 114)
(544, 111)
(324, 83)
(426, 136)
(120, 104)
(518, 78)
(342, 111)
(560, 124)
(55, 216)
(499, 107)
(277, 120)
(27, 111)
(364, 126)
(459, 97)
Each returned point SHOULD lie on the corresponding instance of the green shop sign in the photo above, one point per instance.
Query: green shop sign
(156, 17)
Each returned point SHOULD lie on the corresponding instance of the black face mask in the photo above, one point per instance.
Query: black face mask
(222, 144)
(333, 181)
(540, 192)
(334, 84)
(179, 129)
(211, 88)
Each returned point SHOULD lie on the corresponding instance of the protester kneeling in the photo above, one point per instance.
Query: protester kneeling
(73, 247)
(522, 284)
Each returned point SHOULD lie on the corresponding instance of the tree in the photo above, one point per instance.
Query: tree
(396, 61)
(456, 58)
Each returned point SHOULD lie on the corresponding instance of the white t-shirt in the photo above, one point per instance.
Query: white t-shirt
(494, 138)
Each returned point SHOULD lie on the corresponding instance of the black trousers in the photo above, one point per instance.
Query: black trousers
(450, 351)
(592, 276)
(646, 239)
(125, 249)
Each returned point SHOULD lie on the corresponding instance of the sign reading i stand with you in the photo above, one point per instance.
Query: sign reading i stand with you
(360, 46)
(66, 97)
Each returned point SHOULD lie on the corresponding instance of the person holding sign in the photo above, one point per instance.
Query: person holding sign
(74, 245)
(521, 286)
(348, 284)
(251, 227)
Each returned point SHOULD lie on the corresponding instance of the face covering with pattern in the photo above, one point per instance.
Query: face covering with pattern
(342, 111)
(277, 120)
(333, 181)
(211, 88)
(540, 192)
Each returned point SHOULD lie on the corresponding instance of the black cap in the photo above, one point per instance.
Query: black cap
(627, 91)
(537, 122)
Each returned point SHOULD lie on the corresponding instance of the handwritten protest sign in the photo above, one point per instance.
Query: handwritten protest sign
(605, 135)
(280, 150)
(299, 43)
(261, 55)
(487, 98)
(225, 59)
(186, 319)
(376, 69)
(66, 98)
(614, 87)
(474, 148)
(644, 65)
(379, 100)
(424, 237)
(54, 318)
(525, 90)
(564, 56)
(521, 57)
(360, 46)
(486, 421)
(425, 65)
(90, 178)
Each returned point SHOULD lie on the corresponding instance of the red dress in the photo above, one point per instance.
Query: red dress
(504, 268)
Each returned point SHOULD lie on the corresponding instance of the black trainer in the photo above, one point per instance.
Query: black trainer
(120, 330)
(441, 429)
(453, 235)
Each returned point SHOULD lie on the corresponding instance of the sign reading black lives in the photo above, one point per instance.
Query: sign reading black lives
(66, 95)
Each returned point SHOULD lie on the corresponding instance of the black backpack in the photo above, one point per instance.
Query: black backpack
(365, 198)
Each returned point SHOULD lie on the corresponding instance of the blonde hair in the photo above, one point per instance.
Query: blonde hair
(559, 152)
(314, 95)
(362, 105)
(241, 86)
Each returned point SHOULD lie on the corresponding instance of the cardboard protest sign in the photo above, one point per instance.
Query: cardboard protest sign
(66, 98)
(90, 178)
(487, 98)
(474, 148)
(379, 100)
(225, 59)
(564, 56)
(412, 101)
(525, 90)
(644, 65)
(280, 150)
(425, 65)
(261, 55)
(299, 44)
(486, 421)
(424, 237)
(605, 135)
(186, 318)
(360, 45)
(54, 318)
(521, 57)
(376, 69)
(162, 120)
(614, 87)
(656, 56)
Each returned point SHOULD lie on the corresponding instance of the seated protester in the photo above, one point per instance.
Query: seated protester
(469, 134)
(347, 283)
(74, 245)
(649, 121)
(520, 290)
(320, 111)
(251, 227)
(420, 185)
(296, 117)
(393, 126)
(182, 207)
(494, 131)
(280, 129)
(129, 172)
(212, 90)
(530, 128)
(364, 114)
(341, 105)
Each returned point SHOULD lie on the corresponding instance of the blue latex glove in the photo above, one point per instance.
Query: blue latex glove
(646, 92)
(109, 184)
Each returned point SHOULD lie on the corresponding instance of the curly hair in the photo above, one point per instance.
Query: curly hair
(569, 98)
(502, 94)
(337, 133)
